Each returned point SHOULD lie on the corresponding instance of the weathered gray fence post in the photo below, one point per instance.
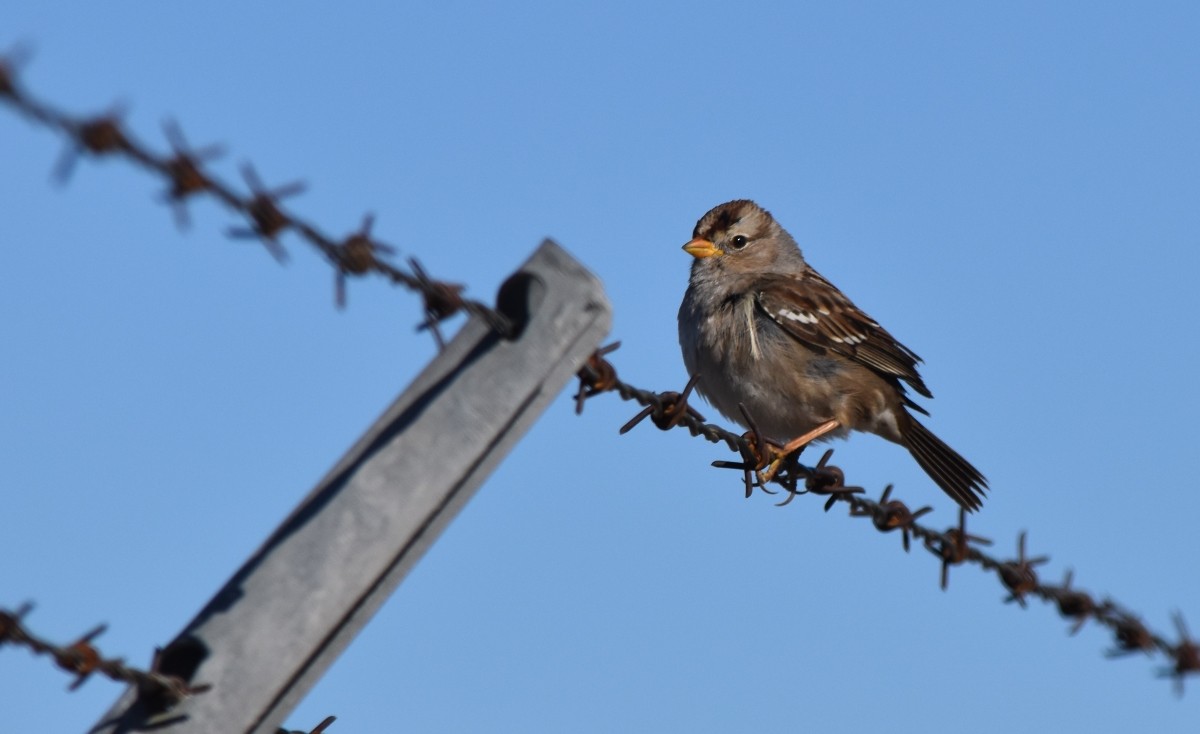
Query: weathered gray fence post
(270, 633)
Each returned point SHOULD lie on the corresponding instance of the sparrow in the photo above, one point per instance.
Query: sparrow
(760, 327)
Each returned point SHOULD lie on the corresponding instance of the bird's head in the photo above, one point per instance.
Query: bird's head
(741, 237)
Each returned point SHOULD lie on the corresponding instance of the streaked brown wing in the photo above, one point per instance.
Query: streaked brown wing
(811, 309)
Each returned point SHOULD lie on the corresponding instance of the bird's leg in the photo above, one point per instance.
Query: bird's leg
(813, 435)
(796, 444)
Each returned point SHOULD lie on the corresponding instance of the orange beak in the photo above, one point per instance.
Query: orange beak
(700, 247)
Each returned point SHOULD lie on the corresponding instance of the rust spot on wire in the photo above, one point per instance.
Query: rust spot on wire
(102, 135)
(1130, 634)
(98, 136)
(81, 657)
(186, 176)
(266, 218)
(1072, 604)
(671, 408)
(1186, 654)
(757, 453)
(825, 479)
(358, 254)
(441, 300)
(597, 375)
(891, 515)
(954, 546)
(1018, 576)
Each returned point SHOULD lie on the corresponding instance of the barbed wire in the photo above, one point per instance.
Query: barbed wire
(82, 659)
(183, 170)
(360, 253)
(953, 546)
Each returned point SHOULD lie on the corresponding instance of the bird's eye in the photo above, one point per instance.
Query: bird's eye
(738, 242)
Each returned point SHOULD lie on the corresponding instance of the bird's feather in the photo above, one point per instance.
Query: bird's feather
(813, 311)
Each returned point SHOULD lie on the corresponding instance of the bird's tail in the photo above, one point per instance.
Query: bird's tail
(953, 473)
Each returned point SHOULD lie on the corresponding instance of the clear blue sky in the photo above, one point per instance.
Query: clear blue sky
(1012, 189)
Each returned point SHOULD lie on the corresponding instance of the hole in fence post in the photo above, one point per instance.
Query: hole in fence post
(519, 297)
(179, 659)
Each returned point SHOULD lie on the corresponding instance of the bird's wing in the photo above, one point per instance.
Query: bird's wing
(813, 311)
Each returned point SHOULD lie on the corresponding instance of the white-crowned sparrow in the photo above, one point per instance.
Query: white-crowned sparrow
(760, 327)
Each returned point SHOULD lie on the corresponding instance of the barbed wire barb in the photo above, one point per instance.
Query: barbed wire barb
(267, 219)
(1072, 604)
(187, 178)
(894, 515)
(357, 255)
(442, 300)
(96, 136)
(1186, 653)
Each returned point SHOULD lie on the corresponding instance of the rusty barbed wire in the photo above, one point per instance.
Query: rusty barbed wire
(265, 220)
(763, 462)
(82, 659)
(953, 546)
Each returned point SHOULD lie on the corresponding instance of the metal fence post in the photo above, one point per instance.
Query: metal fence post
(280, 621)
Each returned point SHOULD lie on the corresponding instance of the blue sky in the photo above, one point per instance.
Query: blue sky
(1012, 189)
